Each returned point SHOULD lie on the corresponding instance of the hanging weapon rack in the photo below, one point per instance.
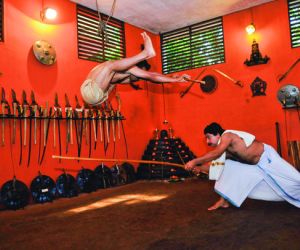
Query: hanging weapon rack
(42, 116)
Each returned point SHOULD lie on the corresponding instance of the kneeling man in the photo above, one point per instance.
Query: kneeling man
(244, 167)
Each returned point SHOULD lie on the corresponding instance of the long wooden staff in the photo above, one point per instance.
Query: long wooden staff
(115, 160)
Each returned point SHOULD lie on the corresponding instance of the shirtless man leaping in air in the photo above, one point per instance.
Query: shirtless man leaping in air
(102, 78)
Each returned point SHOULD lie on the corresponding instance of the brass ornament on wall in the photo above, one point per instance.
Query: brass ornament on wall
(44, 52)
(256, 57)
(258, 87)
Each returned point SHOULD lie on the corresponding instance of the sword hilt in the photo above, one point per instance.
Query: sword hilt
(239, 83)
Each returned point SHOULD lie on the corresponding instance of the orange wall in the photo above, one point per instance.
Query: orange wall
(230, 105)
(21, 71)
(234, 107)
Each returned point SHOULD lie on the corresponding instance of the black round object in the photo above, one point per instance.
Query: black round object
(144, 171)
(86, 180)
(66, 186)
(43, 189)
(130, 172)
(118, 175)
(14, 194)
(210, 84)
(103, 176)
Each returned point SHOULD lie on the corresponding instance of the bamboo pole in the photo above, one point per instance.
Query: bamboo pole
(116, 160)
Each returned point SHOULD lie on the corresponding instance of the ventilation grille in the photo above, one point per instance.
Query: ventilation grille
(194, 46)
(94, 45)
(294, 18)
(1, 21)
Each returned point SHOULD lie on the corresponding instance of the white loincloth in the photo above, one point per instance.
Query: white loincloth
(92, 94)
(272, 179)
(217, 165)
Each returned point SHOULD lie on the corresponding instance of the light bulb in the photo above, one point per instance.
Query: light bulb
(250, 29)
(48, 14)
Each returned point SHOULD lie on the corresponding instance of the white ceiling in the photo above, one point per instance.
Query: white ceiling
(160, 16)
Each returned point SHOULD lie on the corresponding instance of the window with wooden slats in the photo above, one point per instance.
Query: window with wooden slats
(1, 21)
(193, 46)
(294, 18)
(94, 45)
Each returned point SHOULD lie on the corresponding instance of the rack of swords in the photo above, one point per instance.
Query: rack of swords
(30, 123)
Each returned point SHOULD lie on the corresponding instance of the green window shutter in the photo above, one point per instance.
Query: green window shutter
(294, 19)
(94, 46)
(1, 21)
(193, 46)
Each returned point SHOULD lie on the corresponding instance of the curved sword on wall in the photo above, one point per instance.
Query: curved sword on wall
(33, 110)
(41, 112)
(113, 126)
(16, 107)
(78, 124)
(107, 127)
(96, 117)
(5, 113)
(237, 82)
(25, 106)
(120, 121)
(69, 117)
(57, 116)
(47, 121)
(289, 70)
(118, 116)
(88, 116)
(102, 128)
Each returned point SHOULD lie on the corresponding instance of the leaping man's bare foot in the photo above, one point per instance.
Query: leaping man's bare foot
(220, 203)
(148, 47)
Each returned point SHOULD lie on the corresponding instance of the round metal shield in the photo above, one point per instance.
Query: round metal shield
(44, 52)
(14, 194)
(66, 186)
(210, 84)
(130, 172)
(43, 189)
(119, 175)
(86, 181)
(288, 95)
(103, 176)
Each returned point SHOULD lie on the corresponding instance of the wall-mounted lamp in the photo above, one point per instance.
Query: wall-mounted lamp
(48, 14)
(250, 29)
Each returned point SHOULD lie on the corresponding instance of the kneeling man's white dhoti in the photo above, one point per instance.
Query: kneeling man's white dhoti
(272, 179)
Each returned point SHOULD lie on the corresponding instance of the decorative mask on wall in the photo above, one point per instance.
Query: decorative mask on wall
(44, 52)
(258, 87)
